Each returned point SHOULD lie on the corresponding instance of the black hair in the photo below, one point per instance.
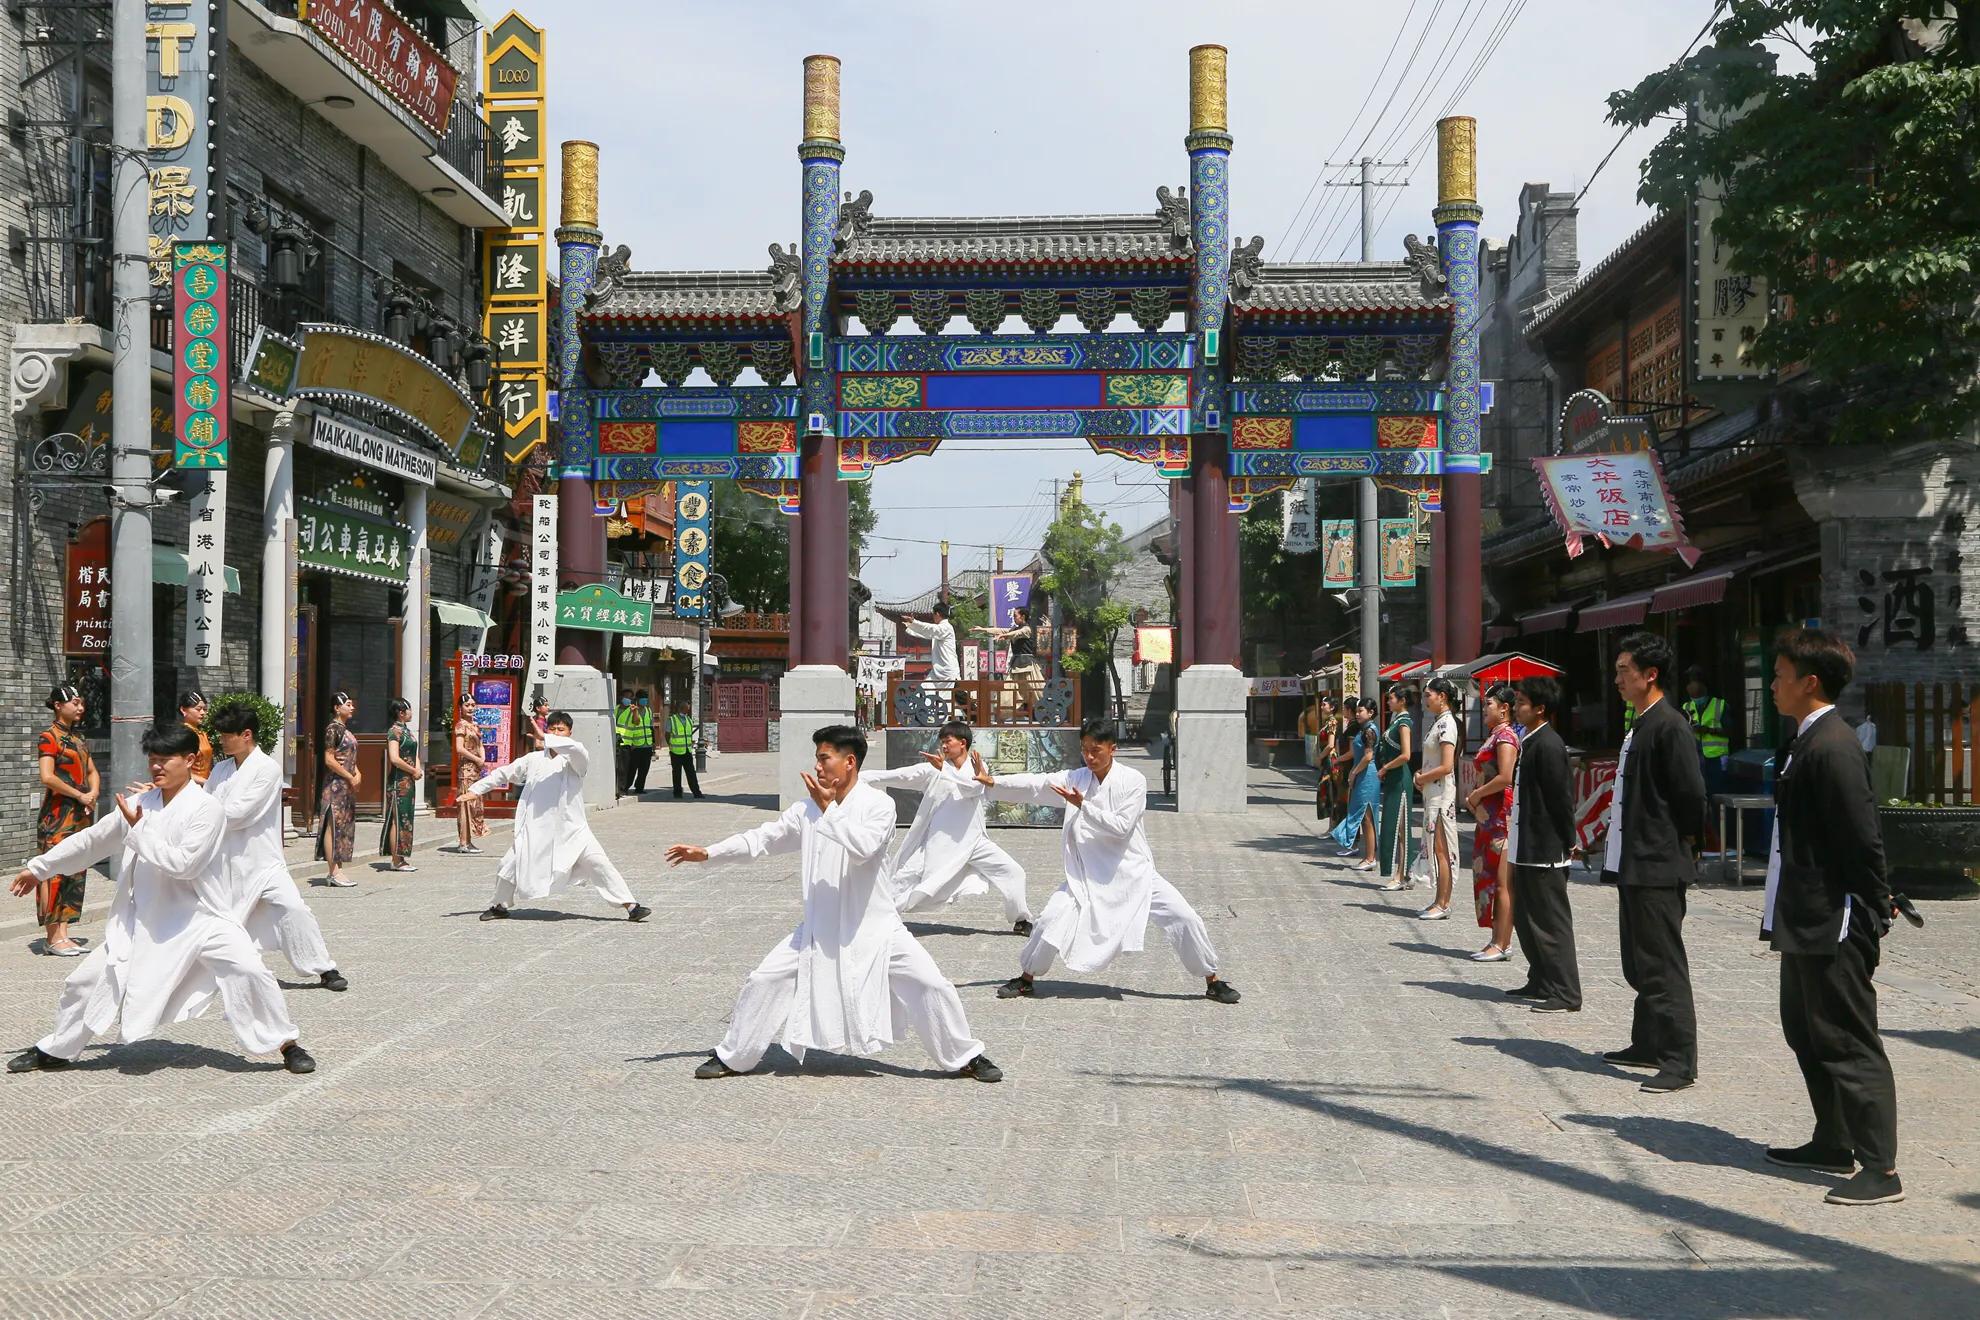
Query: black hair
(190, 697)
(1369, 704)
(170, 740)
(1819, 652)
(1448, 690)
(237, 717)
(1020, 614)
(1404, 692)
(1099, 729)
(941, 609)
(562, 717)
(63, 692)
(1695, 674)
(401, 706)
(1648, 651)
(1502, 693)
(1542, 692)
(954, 729)
(842, 738)
(338, 698)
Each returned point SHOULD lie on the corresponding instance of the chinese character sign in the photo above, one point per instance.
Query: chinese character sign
(337, 539)
(1337, 559)
(1297, 533)
(200, 413)
(694, 516)
(390, 53)
(542, 591)
(518, 309)
(177, 136)
(1619, 499)
(1008, 591)
(86, 591)
(206, 571)
(601, 609)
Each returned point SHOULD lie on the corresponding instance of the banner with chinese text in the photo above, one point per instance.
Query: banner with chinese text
(336, 539)
(542, 592)
(179, 131)
(200, 415)
(601, 609)
(694, 519)
(1619, 499)
(1297, 533)
(1008, 591)
(206, 571)
(86, 591)
(517, 261)
(390, 52)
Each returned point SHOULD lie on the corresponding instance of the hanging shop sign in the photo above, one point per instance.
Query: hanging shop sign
(339, 364)
(1618, 499)
(512, 65)
(1589, 424)
(694, 525)
(601, 609)
(513, 268)
(390, 52)
(200, 415)
(351, 531)
(450, 522)
(1008, 591)
(1155, 644)
(1337, 563)
(1397, 540)
(292, 657)
(272, 363)
(1297, 533)
(180, 37)
(516, 278)
(206, 571)
(372, 450)
(542, 590)
(1727, 309)
(86, 591)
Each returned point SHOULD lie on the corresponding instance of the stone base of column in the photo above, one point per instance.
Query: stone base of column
(811, 697)
(586, 694)
(1210, 740)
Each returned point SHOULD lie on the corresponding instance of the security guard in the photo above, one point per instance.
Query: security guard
(636, 734)
(622, 743)
(680, 748)
(1707, 714)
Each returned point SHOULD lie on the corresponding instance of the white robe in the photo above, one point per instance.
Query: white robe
(261, 893)
(1110, 872)
(849, 923)
(553, 848)
(946, 852)
(169, 927)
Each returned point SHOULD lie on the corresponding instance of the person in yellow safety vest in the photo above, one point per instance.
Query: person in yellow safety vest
(622, 744)
(637, 730)
(680, 748)
(1707, 714)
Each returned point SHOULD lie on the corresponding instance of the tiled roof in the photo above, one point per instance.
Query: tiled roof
(962, 582)
(1013, 240)
(1340, 288)
(689, 295)
(1654, 228)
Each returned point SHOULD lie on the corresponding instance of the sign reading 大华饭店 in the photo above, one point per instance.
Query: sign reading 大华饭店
(337, 538)
(373, 450)
(601, 609)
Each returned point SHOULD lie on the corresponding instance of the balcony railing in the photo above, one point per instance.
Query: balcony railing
(470, 148)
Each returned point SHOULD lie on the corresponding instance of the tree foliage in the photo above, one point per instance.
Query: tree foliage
(860, 520)
(1276, 585)
(750, 546)
(1850, 186)
(1083, 552)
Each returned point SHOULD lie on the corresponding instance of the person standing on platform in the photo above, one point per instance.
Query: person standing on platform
(642, 744)
(553, 847)
(1392, 758)
(69, 789)
(850, 978)
(168, 948)
(622, 741)
(947, 853)
(1023, 639)
(1826, 910)
(336, 833)
(247, 784)
(402, 775)
(1655, 820)
(680, 749)
(1490, 804)
(192, 713)
(470, 764)
(1540, 845)
(943, 671)
(1112, 890)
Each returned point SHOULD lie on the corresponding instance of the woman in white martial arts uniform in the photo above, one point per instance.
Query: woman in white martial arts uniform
(553, 847)
(248, 786)
(947, 855)
(1112, 890)
(169, 945)
(850, 978)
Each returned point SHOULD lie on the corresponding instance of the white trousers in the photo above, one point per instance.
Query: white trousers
(592, 864)
(920, 993)
(249, 996)
(280, 918)
(1168, 911)
(997, 868)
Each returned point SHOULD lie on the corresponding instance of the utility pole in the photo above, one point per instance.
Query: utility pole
(1367, 549)
(131, 650)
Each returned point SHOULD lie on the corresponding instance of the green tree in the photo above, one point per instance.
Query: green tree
(1848, 185)
(860, 520)
(1083, 552)
(751, 548)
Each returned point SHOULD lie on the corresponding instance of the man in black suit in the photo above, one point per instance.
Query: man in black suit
(1827, 907)
(1655, 819)
(1539, 837)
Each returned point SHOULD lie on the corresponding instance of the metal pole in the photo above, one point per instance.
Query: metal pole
(700, 651)
(1368, 576)
(132, 654)
(1367, 208)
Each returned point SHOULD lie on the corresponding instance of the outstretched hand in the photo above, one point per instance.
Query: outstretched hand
(983, 775)
(934, 759)
(23, 883)
(132, 812)
(685, 852)
(1071, 795)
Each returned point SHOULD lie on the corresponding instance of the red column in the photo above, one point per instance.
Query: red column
(1182, 499)
(1464, 605)
(1440, 590)
(823, 627)
(580, 562)
(1214, 547)
(794, 530)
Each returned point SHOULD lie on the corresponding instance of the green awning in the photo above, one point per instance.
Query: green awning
(170, 568)
(453, 614)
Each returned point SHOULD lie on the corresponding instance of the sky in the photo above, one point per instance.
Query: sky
(1080, 106)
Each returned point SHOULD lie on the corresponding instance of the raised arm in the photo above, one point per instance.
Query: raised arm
(782, 835)
(83, 849)
(507, 777)
(251, 790)
(914, 778)
(1123, 812)
(919, 627)
(1034, 789)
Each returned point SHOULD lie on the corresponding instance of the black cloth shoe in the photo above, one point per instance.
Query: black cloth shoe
(638, 912)
(1868, 1187)
(1525, 992)
(1554, 1006)
(34, 1060)
(1628, 1058)
(982, 1069)
(1022, 927)
(1015, 987)
(1665, 1082)
(1221, 991)
(1811, 1156)
(713, 1067)
(496, 913)
(297, 1059)
(334, 980)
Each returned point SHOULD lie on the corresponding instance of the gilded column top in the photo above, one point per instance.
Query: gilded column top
(580, 178)
(821, 98)
(1457, 160)
(1209, 109)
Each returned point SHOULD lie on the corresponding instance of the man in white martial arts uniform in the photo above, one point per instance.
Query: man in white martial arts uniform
(553, 848)
(169, 944)
(247, 784)
(1112, 890)
(850, 978)
(946, 854)
(943, 670)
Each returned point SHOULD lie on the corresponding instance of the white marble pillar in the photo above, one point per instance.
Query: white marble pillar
(278, 509)
(413, 634)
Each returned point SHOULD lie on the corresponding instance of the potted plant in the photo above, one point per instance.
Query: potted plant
(1931, 849)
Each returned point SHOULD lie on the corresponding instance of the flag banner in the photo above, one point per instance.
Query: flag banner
(1337, 564)
(1297, 533)
(1619, 499)
(1008, 591)
(1398, 542)
(1155, 645)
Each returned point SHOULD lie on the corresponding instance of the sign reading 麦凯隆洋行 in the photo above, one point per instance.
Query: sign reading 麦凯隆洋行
(601, 609)
(200, 379)
(694, 520)
(542, 590)
(390, 52)
(1619, 499)
(518, 309)
(179, 127)
(351, 536)
(373, 450)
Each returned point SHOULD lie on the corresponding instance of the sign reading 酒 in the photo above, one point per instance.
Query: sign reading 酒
(387, 50)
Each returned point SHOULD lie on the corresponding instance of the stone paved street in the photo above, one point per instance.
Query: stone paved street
(504, 1124)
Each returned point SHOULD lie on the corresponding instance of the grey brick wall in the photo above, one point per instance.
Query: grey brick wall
(1538, 260)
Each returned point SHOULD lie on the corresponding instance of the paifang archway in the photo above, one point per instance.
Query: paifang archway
(1282, 371)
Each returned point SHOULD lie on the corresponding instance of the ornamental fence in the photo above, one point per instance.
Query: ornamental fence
(1935, 724)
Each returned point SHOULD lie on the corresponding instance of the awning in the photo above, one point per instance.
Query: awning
(171, 568)
(1506, 667)
(1498, 632)
(1552, 619)
(453, 614)
(1621, 612)
(1691, 592)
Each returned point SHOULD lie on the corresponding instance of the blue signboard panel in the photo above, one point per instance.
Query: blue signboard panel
(1334, 431)
(1014, 390)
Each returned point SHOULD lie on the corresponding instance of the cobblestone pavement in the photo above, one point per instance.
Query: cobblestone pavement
(504, 1124)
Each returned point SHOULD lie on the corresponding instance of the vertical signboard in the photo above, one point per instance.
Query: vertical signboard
(1398, 545)
(1337, 561)
(517, 262)
(181, 37)
(1298, 534)
(200, 413)
(86, 591)
(291, 668)
(693, 542)
(542, 592)
(1728, 309)
(206, 572)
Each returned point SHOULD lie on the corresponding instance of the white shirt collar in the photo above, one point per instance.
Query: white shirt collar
(1812, 716)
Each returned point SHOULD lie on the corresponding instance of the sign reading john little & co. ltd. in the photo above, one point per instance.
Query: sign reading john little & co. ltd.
(390, 53)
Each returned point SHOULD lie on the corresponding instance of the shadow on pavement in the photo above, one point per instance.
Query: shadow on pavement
(1384, 909)
(1549, 1053)
(1082, 990)
(1466, 990)
(151, 1056)
(1965, 1041)
(1438, 950)
(1685, 1142)
(1288, 843)
(920, 928)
